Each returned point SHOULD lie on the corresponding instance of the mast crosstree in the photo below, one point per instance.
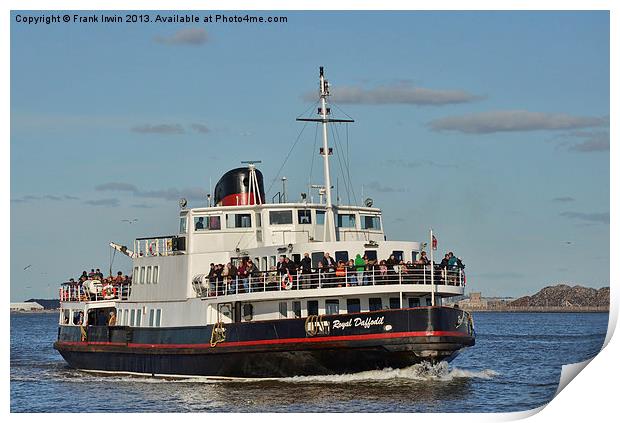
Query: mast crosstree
(324, 111)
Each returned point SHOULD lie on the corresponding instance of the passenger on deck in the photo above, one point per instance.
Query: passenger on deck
(423, 260)
(242, 275)
(451, 261)
(329, 264)
(341, 274)
(351, 273)
(119, 277)
(383, 271)
(112, 319)
(320, 275)
(83, 276)
(282, 266)
(360, 266)
(229, 273)
(305, 266)
(253, 274)
(99, 275)
(392, 265)
(92, 274)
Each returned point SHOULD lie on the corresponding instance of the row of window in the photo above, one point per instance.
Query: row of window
(133, 317)
(146, 274)
(353, 305)
(278, 217)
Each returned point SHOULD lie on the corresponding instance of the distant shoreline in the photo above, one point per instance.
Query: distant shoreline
(539, 310)
(34, 311)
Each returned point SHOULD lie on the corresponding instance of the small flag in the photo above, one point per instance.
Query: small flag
(434, 243)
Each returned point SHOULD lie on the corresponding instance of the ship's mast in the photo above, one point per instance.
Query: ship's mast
(330, 226)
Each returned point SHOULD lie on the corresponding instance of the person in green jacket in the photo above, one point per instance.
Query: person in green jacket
(360, 265)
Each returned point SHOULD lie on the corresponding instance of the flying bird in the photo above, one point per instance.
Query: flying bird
(30, 265)
(129, 221)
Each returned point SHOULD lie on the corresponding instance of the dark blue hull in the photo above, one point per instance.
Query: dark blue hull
(279, 348)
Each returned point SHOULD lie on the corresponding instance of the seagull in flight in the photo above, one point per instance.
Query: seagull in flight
(129, 221)
(30, 265)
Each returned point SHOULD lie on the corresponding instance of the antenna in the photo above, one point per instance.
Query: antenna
(325, 151)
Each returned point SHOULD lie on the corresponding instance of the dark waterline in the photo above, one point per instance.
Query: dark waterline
(514, 366)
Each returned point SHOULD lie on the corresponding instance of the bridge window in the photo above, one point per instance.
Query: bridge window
(148, 274)
(304, 217)
(370, 222)
(394, 302)
(371, 254)
(414, 256)
(346, 220)
(132, 317)
(283, 310)
(151, 317)
(313, 307)
(263, 264)
(316, 258)
(138, 317)
(155, 274)
(158, 317)
(248, 312)
(341, 256)
(375, 304)
(238, 220)
(332, 306)
(142, 274)
(280, 217)
(353, 305)
(398, 255)
(207, 223)
(183, 225)
(320, 217)
(297, 309)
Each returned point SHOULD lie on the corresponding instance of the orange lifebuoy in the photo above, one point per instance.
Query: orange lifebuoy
(108, 292)
(287, 281)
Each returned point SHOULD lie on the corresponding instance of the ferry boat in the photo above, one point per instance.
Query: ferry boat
(296, 311)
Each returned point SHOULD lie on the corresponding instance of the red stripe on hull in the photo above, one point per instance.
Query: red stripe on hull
(281, 341)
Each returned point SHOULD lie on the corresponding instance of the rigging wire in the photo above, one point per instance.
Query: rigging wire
(342, 173)
(346, 168)
(348, 162)
(291, 149)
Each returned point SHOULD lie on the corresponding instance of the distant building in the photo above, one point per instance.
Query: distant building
(476, 301)
(32, 306)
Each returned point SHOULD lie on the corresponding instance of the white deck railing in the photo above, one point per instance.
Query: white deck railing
(77, 292)
(319, 279)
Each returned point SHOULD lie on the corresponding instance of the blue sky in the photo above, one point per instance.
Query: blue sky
(491, 127)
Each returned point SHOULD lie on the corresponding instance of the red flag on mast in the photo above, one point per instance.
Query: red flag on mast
(434, 243)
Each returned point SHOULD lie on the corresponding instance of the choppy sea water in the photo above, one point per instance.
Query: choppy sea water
(514, 366)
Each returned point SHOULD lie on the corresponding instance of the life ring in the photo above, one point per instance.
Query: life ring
(153, 248)
(287, 281)
(108, 292)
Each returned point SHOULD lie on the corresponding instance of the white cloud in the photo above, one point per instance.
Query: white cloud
(514, 121)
